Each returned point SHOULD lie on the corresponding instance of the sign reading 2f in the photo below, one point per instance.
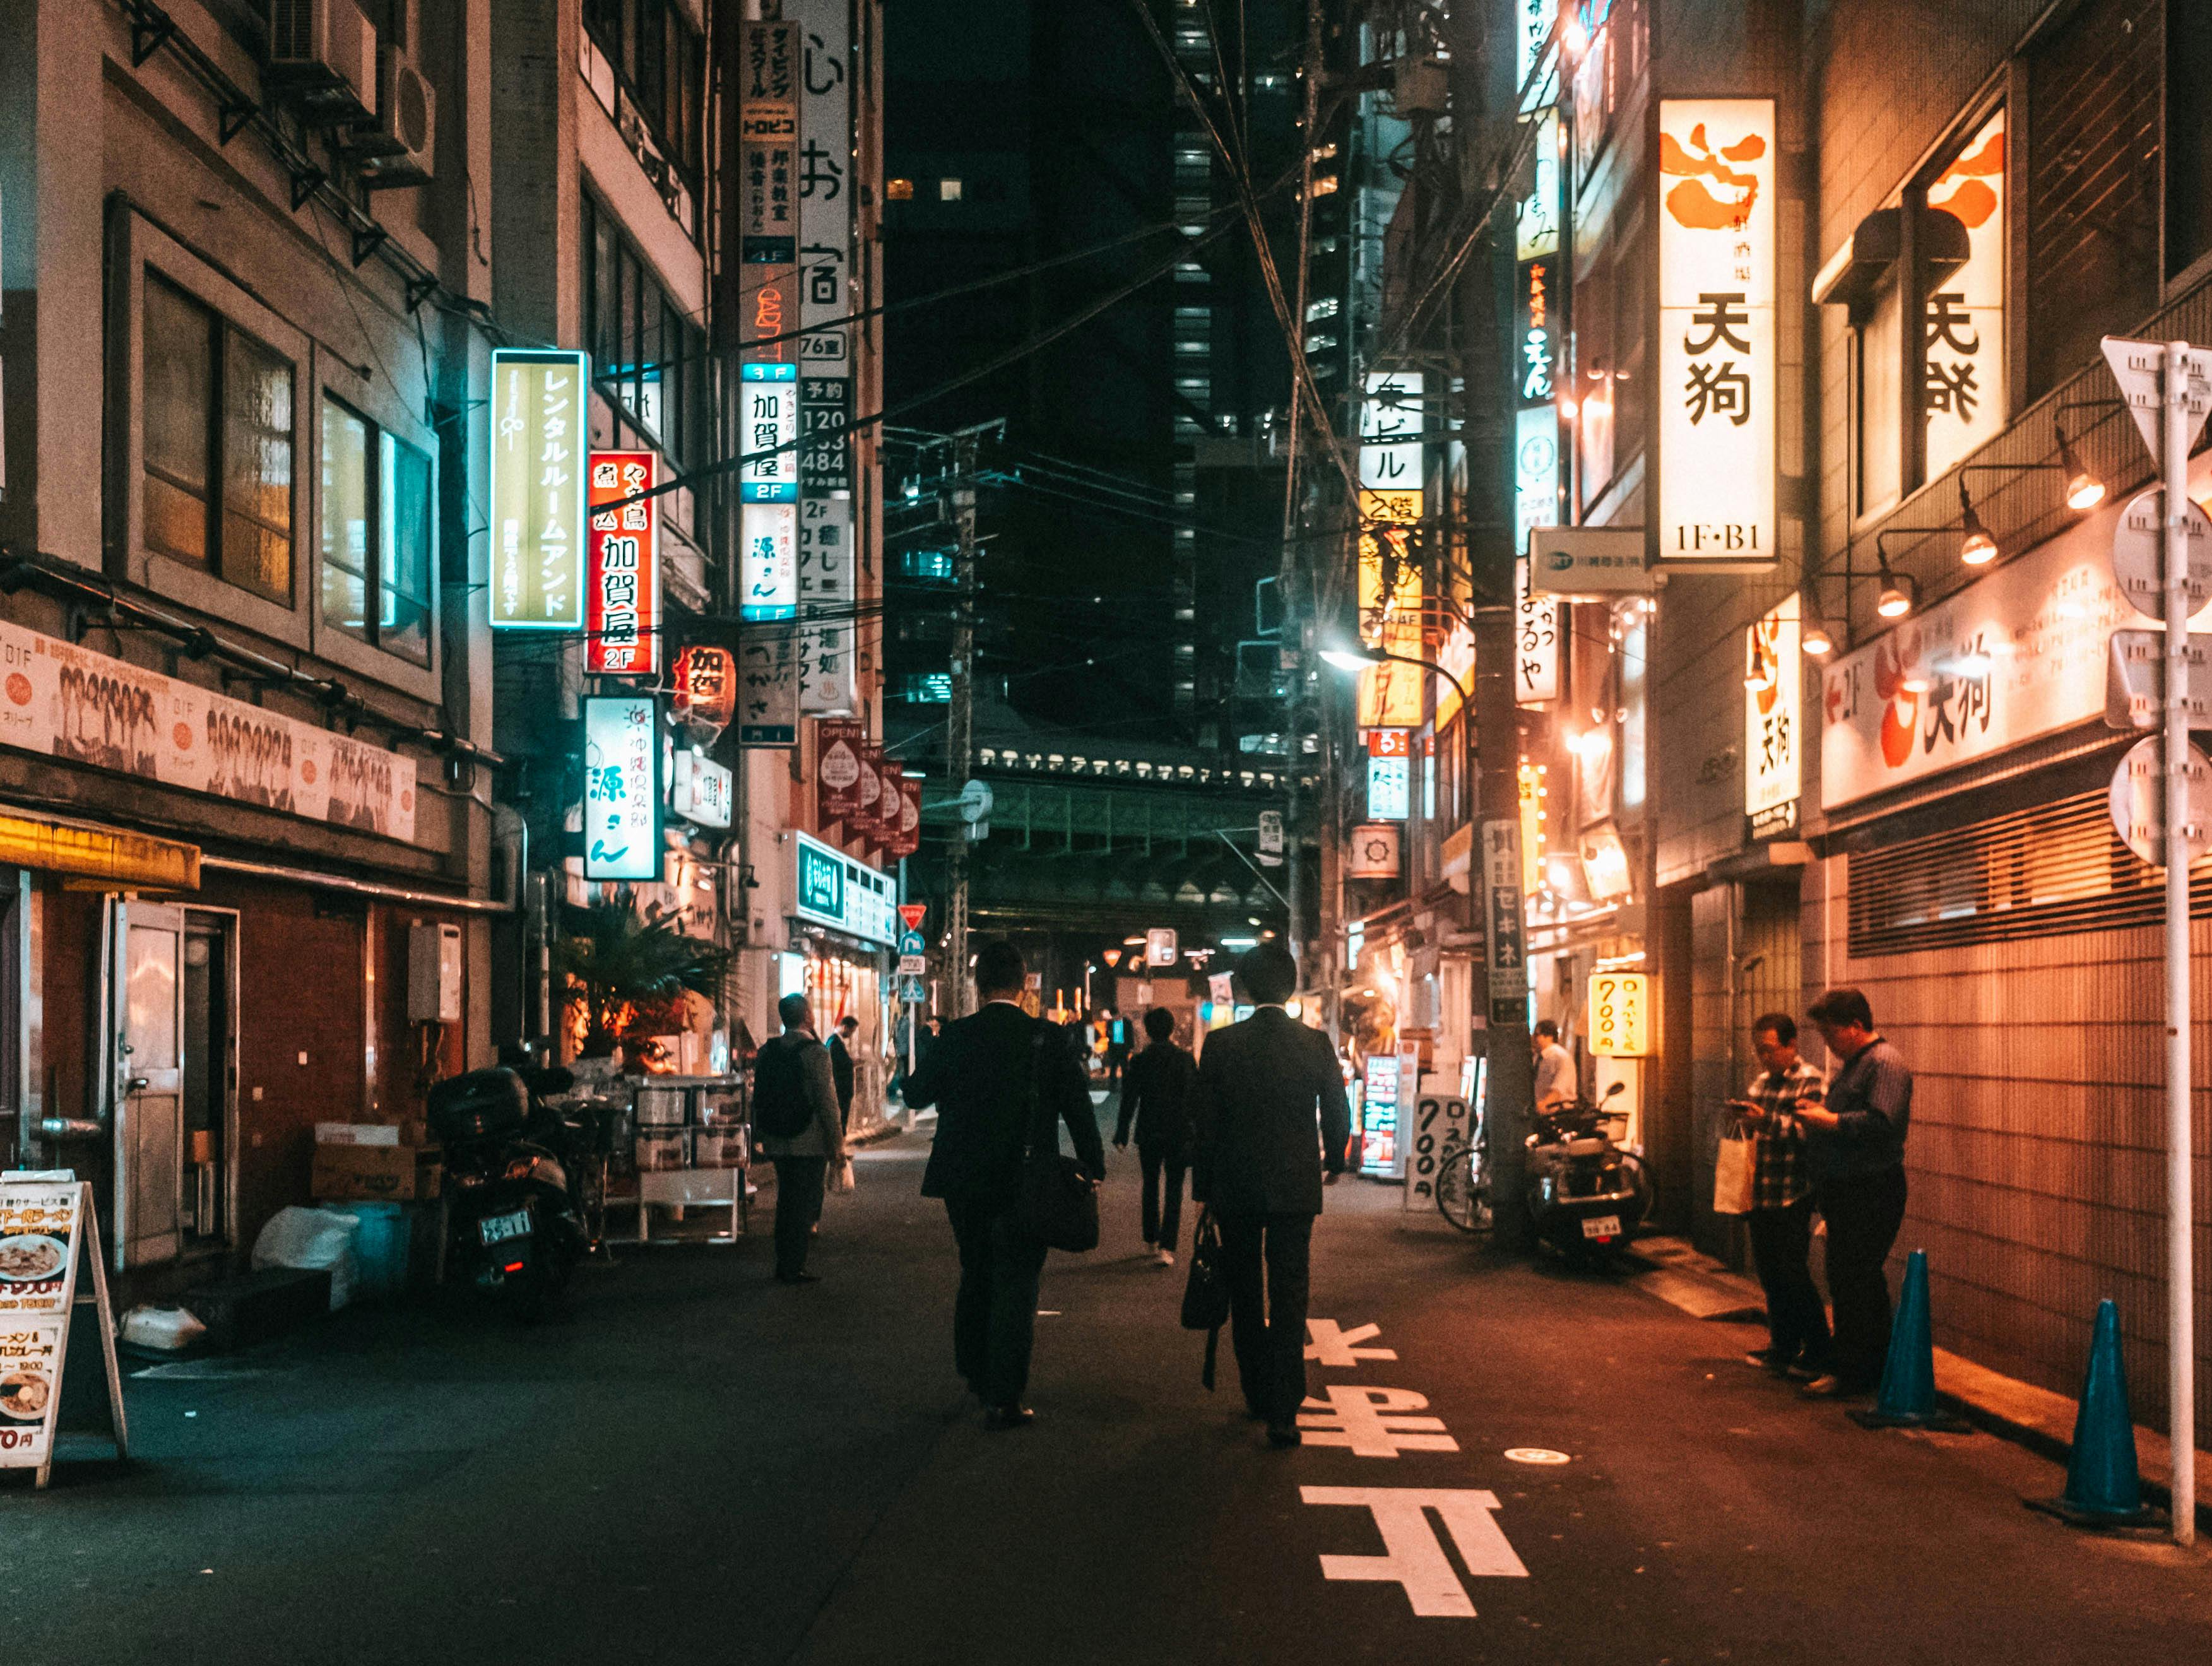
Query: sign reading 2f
(1717, 364)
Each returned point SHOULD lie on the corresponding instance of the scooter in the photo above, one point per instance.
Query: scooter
(1585, 1195)
(513, 1221)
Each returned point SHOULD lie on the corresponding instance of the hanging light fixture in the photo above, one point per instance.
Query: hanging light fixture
(1979, 549)
(1813, 638)
(1897, 594)
(2084, 491)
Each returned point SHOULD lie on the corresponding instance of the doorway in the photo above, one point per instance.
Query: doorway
(209, 1071)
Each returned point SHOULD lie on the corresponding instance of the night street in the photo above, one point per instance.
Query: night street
(700, 1463)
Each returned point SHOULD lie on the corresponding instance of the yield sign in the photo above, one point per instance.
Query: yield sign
(910, 914)
(2139, 366)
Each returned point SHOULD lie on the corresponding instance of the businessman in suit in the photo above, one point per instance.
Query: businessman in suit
(995, 1076)
(1272, 1121)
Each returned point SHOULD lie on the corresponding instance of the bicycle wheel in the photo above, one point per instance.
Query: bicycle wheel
(1462, 1186)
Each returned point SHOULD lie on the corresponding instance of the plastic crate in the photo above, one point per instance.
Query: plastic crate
(380, 1246)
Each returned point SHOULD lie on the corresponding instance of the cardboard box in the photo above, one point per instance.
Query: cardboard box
(372, 1133)
(387, 1174)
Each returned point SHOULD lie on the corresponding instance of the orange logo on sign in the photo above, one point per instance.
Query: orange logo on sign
(1691, 203)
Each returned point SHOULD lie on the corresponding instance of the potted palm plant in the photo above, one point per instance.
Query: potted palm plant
(626, 971)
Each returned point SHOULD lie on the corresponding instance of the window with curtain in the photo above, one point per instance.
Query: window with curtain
(217, 434)
(377, 539)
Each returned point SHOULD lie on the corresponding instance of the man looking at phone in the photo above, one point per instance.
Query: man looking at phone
(1781, 1218)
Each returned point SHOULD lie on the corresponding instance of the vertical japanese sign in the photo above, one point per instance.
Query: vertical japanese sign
(1389, 774)
(768, 430)
(767, 689)
(1532, 28)
(837, 771)
(826, 182)
(1964, 391)
(909, 833)
(1772, 722)
(1505, 937)
(768, 91)
(621, 787)
(538, 466)
(1619, 1023)
(825, 434)
(828, 683)
(1538, 628)
(768, 534)
(1391, 470)
(1718, 368)
(622, 612)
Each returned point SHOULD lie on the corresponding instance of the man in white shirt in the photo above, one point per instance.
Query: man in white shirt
(1555, 1067)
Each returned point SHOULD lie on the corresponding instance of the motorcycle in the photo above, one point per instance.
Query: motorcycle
(512, 1223)
(1585, 1195)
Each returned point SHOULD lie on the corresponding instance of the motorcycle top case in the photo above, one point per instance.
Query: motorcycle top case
(482, 1104)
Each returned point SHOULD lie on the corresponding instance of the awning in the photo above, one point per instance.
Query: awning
(126, 861)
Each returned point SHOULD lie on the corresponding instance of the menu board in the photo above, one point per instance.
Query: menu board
(44, 1219)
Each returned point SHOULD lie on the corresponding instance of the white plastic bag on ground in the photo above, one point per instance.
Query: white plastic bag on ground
(168, 1328)
(311, 1240)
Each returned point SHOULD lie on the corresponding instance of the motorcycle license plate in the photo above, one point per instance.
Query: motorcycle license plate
(497, 1229)
(1597, 1226)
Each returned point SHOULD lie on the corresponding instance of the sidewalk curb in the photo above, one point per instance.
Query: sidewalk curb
(1694, 1284)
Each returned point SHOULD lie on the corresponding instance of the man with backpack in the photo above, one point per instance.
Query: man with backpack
(796, 1125)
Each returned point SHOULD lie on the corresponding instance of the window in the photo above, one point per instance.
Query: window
(2093, 95)
(2188, 137)
(948, 190)
(376, 534)
(647, 356)
(899, 191)
(218, 440)
(662, 62)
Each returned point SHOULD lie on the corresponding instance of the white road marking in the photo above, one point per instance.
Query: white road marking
(1414, 1556)
(1375, 1422)
(1331, 1344)
(1536, 1455)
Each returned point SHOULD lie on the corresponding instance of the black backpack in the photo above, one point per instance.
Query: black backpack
(780, 1107)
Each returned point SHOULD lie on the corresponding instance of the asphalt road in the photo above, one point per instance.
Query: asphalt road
(700, 1463)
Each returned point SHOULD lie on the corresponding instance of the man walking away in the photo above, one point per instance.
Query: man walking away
(1117, 1044)
(1555, 1067)
(1856, 1146)
(1155, 1098)
(841, 1067)
(996, 1078)
(1781, 1219)
(795, 1117)
(1271, 1117)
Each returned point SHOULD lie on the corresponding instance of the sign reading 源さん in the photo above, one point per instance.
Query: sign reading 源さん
(63, 701)
(2014, 656)
(1619, 1019)
(1772, 742)
(539, 445)
(623, 597)
(768, 537)
(1717, 364)
(621, 787)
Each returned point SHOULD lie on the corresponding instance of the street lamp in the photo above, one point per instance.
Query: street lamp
(1363, 659)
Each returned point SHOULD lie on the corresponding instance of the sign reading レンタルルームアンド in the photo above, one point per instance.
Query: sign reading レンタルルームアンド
(539, 447)
(1717, 363)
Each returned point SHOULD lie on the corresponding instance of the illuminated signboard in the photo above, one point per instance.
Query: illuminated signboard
(1718, 368)
(1535, 472)
(768, 396)
(1773, 723)
(1964, 391)
(834, 890)
(1537, 630)
(768, 564)
(829, 683)
(539, 433)
(768, 105)
(703, 791)
(1390, 423)
(1389, 774)
(621, 787)
(1619, 1019)
(1391, 470)
(622, 617)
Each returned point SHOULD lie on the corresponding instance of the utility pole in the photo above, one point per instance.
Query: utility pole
(960, 723)
(1481, 116)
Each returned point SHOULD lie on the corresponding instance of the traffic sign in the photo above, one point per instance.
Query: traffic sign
(912, 965)
(975, 800)
(1271, 838)
(2138, 801)
(2135, 679)
(911, 915)
(2139, 554)
(2139, 366)
(912, 943)
(1161, 947)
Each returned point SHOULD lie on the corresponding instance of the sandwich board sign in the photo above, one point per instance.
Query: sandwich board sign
(47, 1232)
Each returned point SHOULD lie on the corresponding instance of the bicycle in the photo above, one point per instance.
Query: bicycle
(1462, 1186)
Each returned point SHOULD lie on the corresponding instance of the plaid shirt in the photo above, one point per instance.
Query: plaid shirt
(1779, 1177)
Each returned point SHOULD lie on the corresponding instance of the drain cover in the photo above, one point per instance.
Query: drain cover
(1536, 1455)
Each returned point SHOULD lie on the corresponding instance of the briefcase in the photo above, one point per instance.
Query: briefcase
(1206, 1294)
(1059, 1201)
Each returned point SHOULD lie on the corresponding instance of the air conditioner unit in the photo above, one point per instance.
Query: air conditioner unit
(398, 150)
(322, 54)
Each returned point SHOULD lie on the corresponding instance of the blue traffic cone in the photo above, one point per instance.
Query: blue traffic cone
(1907, 1396)
(2103, 1487)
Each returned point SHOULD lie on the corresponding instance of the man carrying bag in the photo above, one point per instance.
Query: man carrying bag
(1003, 1082)
(1774, 1192)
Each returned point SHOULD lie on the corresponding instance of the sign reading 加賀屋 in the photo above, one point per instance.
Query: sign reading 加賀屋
(1717, 364)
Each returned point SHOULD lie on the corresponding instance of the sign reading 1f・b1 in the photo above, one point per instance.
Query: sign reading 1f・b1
(1717, 363)
(539, 450)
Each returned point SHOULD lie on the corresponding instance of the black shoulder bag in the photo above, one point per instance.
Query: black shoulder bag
(1059, 1201)
(1206, 1296)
